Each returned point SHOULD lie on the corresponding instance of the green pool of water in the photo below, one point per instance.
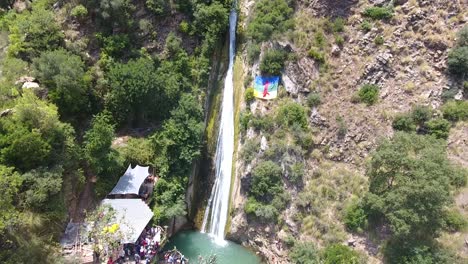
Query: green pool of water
(194, 244)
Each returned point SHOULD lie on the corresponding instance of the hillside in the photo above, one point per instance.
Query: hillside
(333, 50)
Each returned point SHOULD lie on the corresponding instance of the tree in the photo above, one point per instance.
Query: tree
(455, 110)
(292, 114)
(273, 62)
(210, 21)
(410, 183)
(269, 17)
(10, 182)
(41, 184)
(266, 180)
(137, 151)
(340, 254)
(439, 128)
(304, 253)
(34, 32)
(458, 60)
(97, 143)
(63, 74)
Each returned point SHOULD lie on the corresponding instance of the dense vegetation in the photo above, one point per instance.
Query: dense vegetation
(55, 137)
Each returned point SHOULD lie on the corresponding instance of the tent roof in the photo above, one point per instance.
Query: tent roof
(135, 215)
(131, 181)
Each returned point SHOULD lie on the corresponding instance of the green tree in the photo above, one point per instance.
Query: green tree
(439, 127)
(272, 62)
(210, 21)
(404, 122)
(455, 110)
(340, 254)
(269, 17)
(10, 182)
(158, 7)
(291, 114)
(137, 151)
(42, 185)
(266, 180)
(169, 197)
(63, 74)
(304, 253)
(410, 183)
(34, 32)
(458, 60)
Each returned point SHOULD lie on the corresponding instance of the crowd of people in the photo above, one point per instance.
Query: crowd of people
(175, 256)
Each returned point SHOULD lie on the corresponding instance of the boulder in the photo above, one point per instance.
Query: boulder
(30, 85)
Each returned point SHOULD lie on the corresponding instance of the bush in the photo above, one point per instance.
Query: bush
(269, 17)
(250, 149)
(272, 62)
(462, 37)
(253, 51)
(378, 13)
(455, 110)
(342, 127)
(266, 180)
(369, 94)
(366, 26)
(251, 206)
(320, 39)
(158, 7)
(458, 60)
(355, 218)
(404, 122)
(337, 254)
(421, 114)
(249, 94)
(304, 253)
(296, 173)
(79, 11)
(338, 25)
(454, 221)
(379, 40)
(291, 114)
(313, 100)
(339, 40)
(184, 27)
(317, 55)
(439, 128)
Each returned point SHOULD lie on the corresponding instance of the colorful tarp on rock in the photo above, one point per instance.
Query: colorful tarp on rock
(266, 87)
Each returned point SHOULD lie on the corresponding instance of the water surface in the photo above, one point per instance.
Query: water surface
(194, 244)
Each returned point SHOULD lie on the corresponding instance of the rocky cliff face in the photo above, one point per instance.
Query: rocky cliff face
(405, 56)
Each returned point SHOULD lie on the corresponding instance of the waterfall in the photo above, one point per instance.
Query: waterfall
(214, 220)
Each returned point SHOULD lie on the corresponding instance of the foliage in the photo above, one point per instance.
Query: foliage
(158, 7)
(64, 75)
(404, 122)
(338, 24)
(266, 180)
(137, 151)
(169, 197)
(296, 173)
(10, 182)
(355, 217)
(340, 254)
(115, 45)
(97, 143)
(313, 99)
(34, 32)
(253, 51)
(79, 12)
(439, 128)
(290, 114)
(458, 60)
(269, 17)
(412, 251)
(178, 143)
(318, 56)
(250, 149)
(378, 13)
(210, 21)
(249, 95)
(272, 62)
(366, 25)
(41, 185)
(379, 40)
(462, 37)
(455, 110)
(115, 13)
(455, 221)
(339, 40)
(410, 183)
(304, 253)
(369, 94)
(421, 114)
(184, 27)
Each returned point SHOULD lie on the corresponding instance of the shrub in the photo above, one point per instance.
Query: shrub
(313, 99)
(338, 25)
(251, 206)
(366, 26)
(253, 51)
(250, 149)
(266, 180)
(320, 39)
(249, 94)
(342, 127)
(335, 254)
(369, 94)
(355, 218)
(339, 40)
(304, 253)
(264, 123)
(454, 220)
(421, 114)
(291, 114)
(245, 118)
(79, 11)
(404, 122)
(272, 62)
(378, 13)
(379, 40)
(296, 173)
(158, 7)
(455, 110)
(269, 17)
(462, 37)
(115, 45)
(184, 27)
(317, 55)
(458, 60)
(439, 128)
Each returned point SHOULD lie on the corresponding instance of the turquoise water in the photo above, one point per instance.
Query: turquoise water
(194, 244)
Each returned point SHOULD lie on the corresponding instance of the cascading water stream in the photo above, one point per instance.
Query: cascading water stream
(214, 220)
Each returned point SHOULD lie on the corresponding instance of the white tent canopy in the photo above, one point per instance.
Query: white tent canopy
(131, 181)
(133, 215)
